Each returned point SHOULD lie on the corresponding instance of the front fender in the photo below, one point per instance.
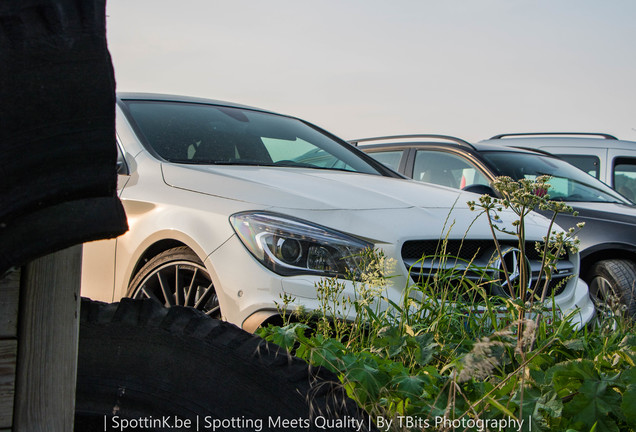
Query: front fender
(161, 224)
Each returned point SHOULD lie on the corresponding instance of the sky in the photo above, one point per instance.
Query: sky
(360, 68)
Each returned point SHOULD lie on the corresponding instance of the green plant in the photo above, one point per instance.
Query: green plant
(450, 356)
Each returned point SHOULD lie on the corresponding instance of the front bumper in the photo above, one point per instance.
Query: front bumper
(249, 293)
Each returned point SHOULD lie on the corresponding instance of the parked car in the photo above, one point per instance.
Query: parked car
(232, 207)
(608, 239)
(603, 156)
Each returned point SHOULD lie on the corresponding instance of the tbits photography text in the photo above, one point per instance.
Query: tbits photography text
(277, 423)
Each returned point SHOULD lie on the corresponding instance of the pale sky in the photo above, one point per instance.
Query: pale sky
(358, 68)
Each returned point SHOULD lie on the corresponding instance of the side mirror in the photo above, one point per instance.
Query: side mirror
(480, 189)
(122, 167)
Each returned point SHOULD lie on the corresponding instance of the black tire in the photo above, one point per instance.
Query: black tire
(611, 281)
(142, 362)
(177, 277)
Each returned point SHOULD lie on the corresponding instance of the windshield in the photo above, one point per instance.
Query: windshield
(568, 183)
(216, 135)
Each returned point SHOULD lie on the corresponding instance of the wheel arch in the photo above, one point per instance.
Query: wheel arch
(152, 251)
(605, 252)
(159, 242)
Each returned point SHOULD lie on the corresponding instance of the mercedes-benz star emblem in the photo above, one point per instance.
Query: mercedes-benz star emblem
(511, 258)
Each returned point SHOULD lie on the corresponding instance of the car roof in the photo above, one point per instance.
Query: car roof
(123, 96)
(547, 140)
(475, 147)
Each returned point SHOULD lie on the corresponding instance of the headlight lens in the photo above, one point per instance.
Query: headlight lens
(290, 246)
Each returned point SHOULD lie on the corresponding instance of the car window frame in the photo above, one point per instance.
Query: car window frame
(617, 160)
(472, 159)
(400, 151)
(122, 103)
(367, 150)
(600, 152)
(566, 157)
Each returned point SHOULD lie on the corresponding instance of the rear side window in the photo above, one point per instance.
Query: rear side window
(624, 177)
(389, 158)
(446, 169)
(589, 164)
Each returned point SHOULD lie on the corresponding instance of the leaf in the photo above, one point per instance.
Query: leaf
(408, 330)
(629, 376)
(424, 345)
(568, 376)
(628, 405)
(594, 395)
(287, 336)
(538, 408)
(392, 339)
(367, 377)
(323, 351)
(508, 387)
(541, 362)
(593, 403)
(552, 406)
(628, 342)
(412, 386)
(574, 344)
(500, 407)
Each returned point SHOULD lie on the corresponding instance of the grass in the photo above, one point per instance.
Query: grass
(431, 362)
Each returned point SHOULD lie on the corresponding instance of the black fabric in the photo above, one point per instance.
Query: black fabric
(57, 124)
(57, 227)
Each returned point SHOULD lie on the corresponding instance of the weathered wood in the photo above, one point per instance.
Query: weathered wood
(48, 331)
(9, 288)
(8, 352)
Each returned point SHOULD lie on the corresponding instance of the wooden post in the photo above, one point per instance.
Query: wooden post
(9, 288)
(48, 332)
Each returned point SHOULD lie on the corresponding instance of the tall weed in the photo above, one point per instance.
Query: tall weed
(451, 356)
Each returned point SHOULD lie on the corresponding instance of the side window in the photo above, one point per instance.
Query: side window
(446, 169)
(624, 177)
(389, 158)
(589, 164)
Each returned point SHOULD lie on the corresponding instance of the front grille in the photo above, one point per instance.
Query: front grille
(464, 249)
(473, 262)
(556, 285)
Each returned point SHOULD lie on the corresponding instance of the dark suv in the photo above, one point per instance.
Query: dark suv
(608, 239)
(601, 155)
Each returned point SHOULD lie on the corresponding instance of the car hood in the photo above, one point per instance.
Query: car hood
(368, 206)
(309, 189)
(611, 212)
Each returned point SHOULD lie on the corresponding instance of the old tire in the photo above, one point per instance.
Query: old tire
(141, 362)
(177, 277)
(611, 281)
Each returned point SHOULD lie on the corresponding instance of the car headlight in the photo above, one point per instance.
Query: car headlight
(290, 246)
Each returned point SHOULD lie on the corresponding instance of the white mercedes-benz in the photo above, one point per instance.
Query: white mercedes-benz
(231, 207)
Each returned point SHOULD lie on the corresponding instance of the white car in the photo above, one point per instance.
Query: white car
(232, 207)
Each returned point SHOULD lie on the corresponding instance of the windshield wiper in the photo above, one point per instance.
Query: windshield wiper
(238, 162)
(252, 162)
